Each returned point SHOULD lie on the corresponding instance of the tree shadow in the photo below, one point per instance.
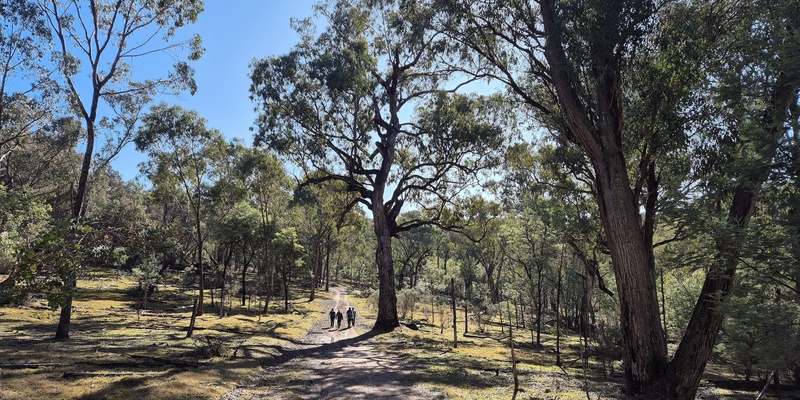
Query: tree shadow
(755, 386)
(132, 387)
(320, 351)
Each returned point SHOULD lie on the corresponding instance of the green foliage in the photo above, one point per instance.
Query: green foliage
(148, 274)
(407, 301)
(761, 333)
(120, 23)
(23, 218)
(322, 102)
(184, 157)
(27, 91)
(241, 223)
(50, 262)
(287, 252)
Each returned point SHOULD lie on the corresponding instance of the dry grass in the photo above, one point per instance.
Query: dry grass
(117, 352)
(480, 367)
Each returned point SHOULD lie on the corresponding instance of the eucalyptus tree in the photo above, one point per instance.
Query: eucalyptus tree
(36, 172)
(341, 105)
(27, 93)
(268, 187)
(287, 255)
(760, 336)
(170, 215)
(491, 252)
(412, 251)
(353, 260)
(96, 42)
(534, 251)
(629, 82)
(551, 188)
(225, 194)
(182, 153)
(319, 225)
(754, 119)
(44, 161)
(235, 237)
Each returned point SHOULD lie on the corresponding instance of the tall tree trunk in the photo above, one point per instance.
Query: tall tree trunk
(663, 308)
(285, 280)
(316, 270)
(226, 263)
(313, 287)
(643, 345)
(494, 289)
(263, 208)
(644, 354)
(558, 309)
(244, 282)
(539, 304)
(269, 273)
(586, 304)
(222, 292)
(453, 301)
(65, 317)
(683, 374)
(200, 267)
(270, 285)
(387, 318)
(316, 262)
(83, 180)
(686, 368)
(327, 266)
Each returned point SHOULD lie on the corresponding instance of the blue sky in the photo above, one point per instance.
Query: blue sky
(234, 32)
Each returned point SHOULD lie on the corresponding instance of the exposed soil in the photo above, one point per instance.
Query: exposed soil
(335, 363)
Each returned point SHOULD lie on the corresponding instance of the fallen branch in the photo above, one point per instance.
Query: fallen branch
(34, 365)
(99, 374)
(766, 385)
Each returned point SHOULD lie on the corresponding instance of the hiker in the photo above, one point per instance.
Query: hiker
(354, 316)
(349, 317)
(333, 316)
(338, 319)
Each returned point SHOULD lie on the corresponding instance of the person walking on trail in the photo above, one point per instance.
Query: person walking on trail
(333, 316)
(349, 317)
(353, 310)
(338, 319)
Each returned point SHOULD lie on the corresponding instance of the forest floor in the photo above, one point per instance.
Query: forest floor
(117, 352)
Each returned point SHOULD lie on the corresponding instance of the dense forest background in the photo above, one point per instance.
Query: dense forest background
(626, 170)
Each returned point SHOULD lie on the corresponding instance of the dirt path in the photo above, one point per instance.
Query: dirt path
(335, 364)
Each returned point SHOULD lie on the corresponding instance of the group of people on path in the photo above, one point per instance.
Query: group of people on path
(336, 316)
